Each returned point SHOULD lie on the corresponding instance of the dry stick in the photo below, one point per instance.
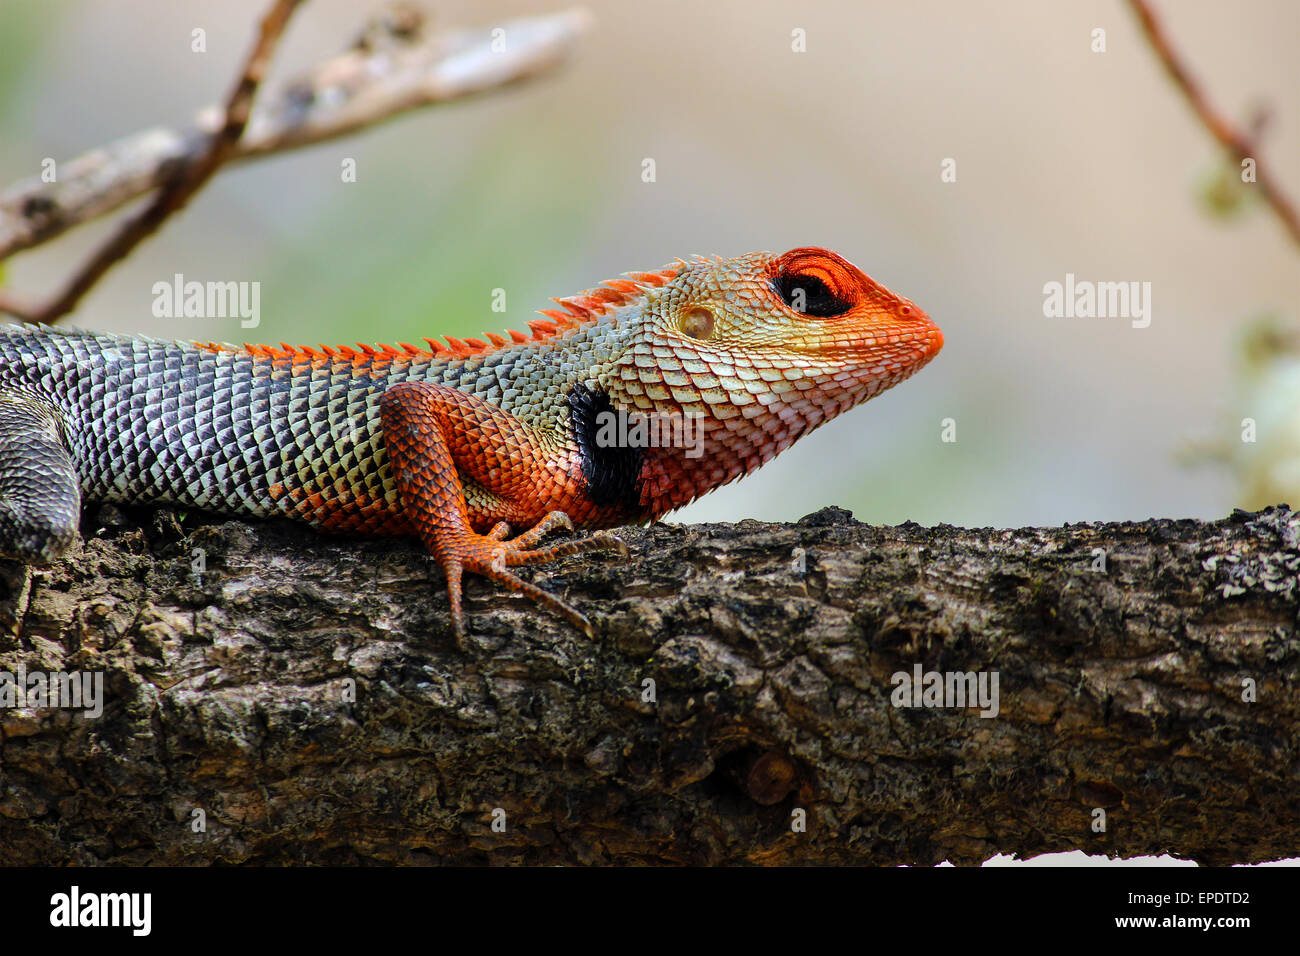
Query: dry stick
(391, 69)
(186, 181)
(1238, 142)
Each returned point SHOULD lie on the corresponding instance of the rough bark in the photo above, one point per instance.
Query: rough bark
(1120, 689)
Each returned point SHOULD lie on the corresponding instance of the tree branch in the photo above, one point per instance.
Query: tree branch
(185, 181)
(1237, 141)
(391, 69)
(1122, 687)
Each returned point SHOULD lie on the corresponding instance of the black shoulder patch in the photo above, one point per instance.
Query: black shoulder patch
(611, 471)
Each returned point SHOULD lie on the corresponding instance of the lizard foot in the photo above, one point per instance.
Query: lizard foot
(435, 435)
(491, 554)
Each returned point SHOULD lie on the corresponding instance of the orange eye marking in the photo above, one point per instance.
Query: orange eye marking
(843, 282)
(844, 279)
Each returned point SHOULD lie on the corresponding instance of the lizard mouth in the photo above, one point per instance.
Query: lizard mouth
(910, 346)
(923, 335)
(934, 336)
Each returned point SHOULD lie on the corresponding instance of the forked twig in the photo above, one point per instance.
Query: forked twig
(188, 179)
(391, 69)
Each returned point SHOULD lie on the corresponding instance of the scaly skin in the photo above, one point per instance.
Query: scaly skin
(457, 443)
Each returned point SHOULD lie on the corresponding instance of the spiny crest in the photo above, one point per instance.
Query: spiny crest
(575, 311)
(578, 310)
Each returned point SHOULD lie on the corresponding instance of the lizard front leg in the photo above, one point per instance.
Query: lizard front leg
(437, 436)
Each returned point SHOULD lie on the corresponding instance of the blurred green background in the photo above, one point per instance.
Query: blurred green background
(1067, 161)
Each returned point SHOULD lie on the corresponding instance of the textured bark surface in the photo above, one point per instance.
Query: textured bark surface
(1120, 689)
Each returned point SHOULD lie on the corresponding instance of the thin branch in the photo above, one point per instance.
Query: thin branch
(187, 180)
(391, 69)
(1239, 142)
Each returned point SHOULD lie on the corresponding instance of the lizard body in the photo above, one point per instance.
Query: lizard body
(457, 443)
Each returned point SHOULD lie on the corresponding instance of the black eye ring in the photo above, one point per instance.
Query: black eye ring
(818, 300)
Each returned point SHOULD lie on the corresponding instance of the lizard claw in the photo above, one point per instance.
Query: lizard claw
(490, 556)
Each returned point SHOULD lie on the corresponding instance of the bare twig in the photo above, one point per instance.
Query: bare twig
(390, 70)
(1242, 144)
(186, 180)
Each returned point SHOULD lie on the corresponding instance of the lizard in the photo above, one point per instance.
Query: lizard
(460, 442)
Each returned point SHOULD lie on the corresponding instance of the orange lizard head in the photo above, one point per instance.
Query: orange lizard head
(760, 350)
(806, 328)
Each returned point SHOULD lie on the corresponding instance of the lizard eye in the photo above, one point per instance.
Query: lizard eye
(697, 322)
(809, 295)
(817, 282)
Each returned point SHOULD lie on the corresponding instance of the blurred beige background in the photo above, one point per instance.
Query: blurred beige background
(1067, 161)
